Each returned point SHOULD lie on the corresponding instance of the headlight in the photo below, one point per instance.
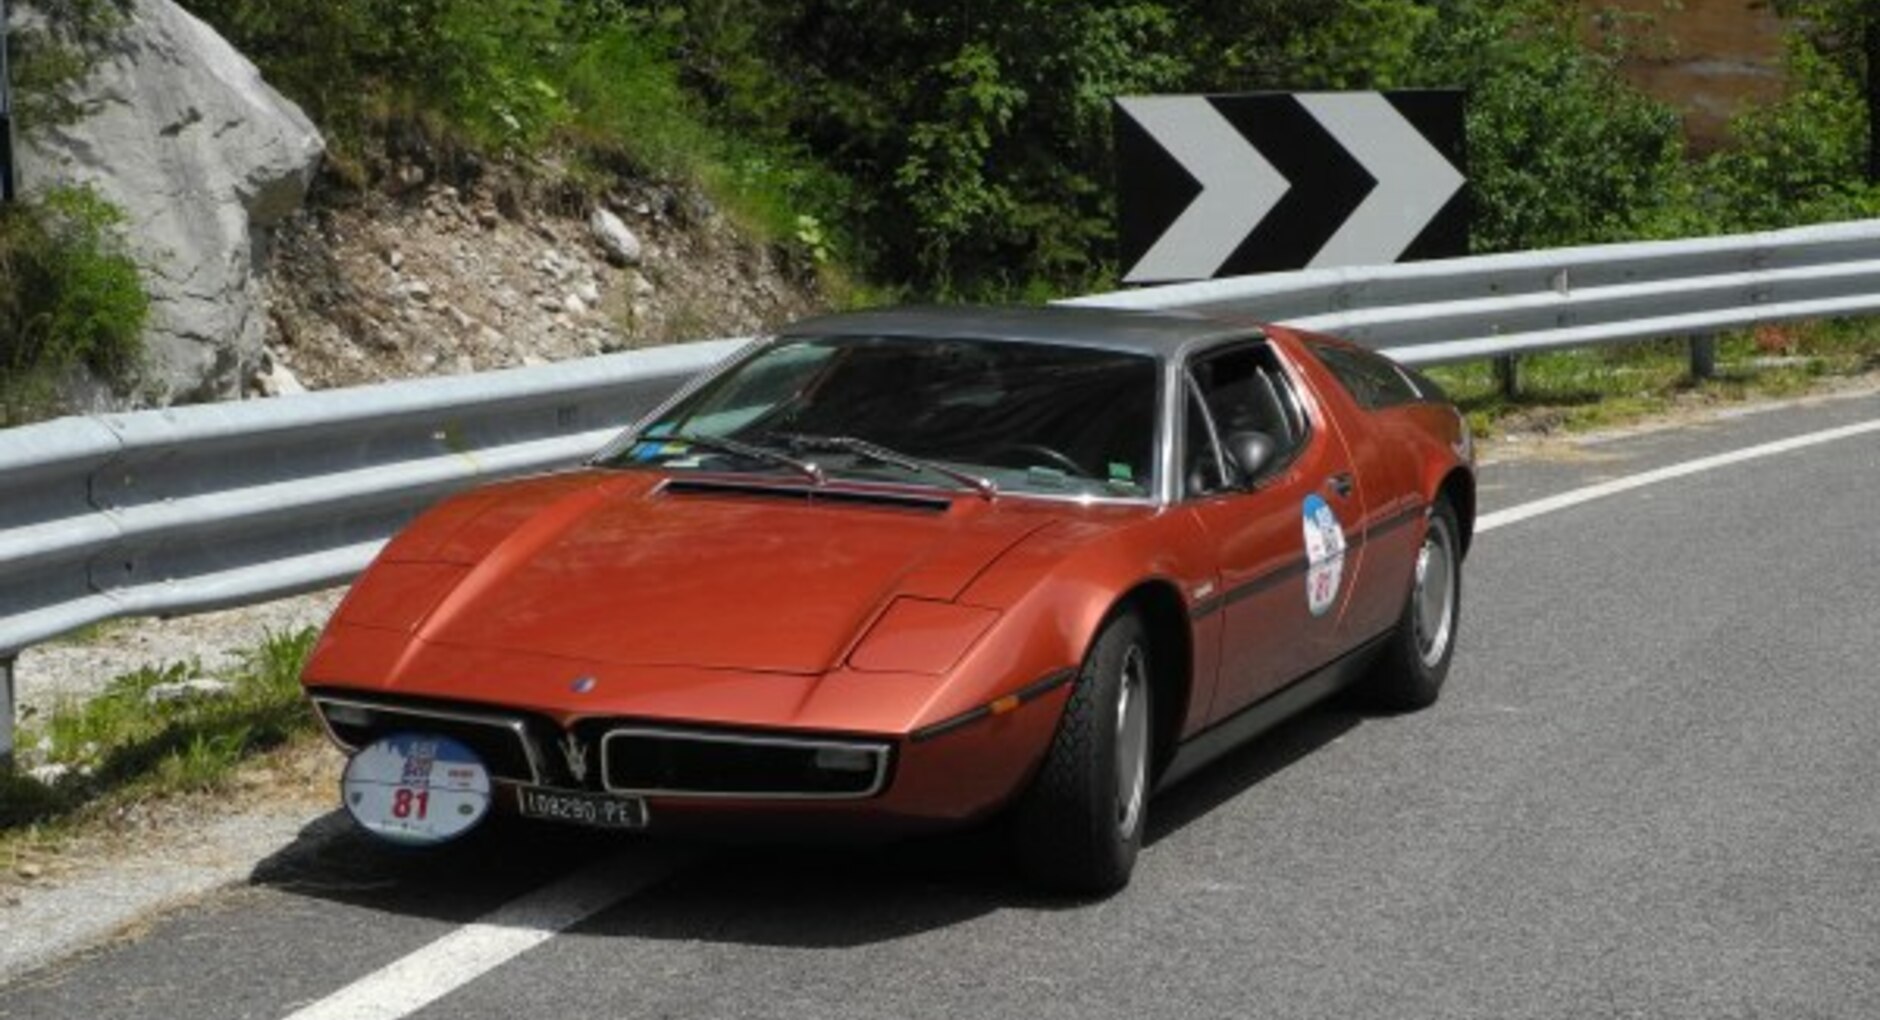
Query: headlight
(397, 596)
(920, 636)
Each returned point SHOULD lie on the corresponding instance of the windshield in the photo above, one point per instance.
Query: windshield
(1033, 418)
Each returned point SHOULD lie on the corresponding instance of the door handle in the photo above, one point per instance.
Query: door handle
(1340, 483)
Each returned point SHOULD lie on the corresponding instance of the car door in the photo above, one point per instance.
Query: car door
(1364, 396)
(1279, 538)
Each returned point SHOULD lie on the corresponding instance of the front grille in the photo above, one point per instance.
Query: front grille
(704, 764)
(500, 740)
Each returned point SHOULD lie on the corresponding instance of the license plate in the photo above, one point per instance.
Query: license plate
(600, 811)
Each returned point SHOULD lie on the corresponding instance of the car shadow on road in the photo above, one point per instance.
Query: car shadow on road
(1248, 766)
(332, 859)
(844, 898)
(830, 896)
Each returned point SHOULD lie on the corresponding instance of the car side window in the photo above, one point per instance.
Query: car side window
(1372, 380)
(1240, 390)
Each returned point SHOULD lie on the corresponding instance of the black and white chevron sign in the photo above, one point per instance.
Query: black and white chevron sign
(1228, 185)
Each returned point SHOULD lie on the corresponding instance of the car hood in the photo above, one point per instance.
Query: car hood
(741, 577)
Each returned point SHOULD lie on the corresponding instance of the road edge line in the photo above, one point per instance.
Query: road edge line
(1587, 494)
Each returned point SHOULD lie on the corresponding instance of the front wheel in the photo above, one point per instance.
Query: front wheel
(1080, 824)
(1415, 661)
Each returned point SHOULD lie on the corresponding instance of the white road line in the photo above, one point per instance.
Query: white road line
(414, 982)
(1575, 497)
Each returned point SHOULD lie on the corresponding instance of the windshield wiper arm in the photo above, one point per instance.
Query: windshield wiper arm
(749, 451)
(881, 454)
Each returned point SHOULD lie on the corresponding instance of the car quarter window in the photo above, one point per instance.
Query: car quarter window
(1207, 471)
(1372, 380)
(1237, 390)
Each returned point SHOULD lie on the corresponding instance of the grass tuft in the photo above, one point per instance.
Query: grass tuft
(121, 746)
(71, 298)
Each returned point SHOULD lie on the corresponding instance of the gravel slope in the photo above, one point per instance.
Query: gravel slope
(81, 666)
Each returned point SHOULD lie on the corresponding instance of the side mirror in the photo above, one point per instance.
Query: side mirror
(1251, 452)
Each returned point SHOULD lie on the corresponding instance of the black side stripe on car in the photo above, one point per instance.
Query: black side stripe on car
(1052, 681)
(999, 706)
(1399, 519)
(1295, 568)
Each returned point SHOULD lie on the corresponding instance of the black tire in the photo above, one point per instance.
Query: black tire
(1079, 827)
(1409, 673)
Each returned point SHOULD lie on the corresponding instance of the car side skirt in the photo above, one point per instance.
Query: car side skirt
(1204, 747)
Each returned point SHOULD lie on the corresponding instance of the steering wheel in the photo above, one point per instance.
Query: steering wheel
(1058, 458)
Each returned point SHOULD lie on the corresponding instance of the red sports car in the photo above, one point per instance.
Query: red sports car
(910, 569)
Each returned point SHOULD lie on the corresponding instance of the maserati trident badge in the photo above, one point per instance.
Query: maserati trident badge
(576, 756)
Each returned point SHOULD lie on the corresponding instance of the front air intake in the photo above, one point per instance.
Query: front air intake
(806, 494)
(687, 763)
(501, 741)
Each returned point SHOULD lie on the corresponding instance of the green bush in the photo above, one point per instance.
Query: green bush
(976, 138)
(1561, 149)
(49, 58)
(964, 149)
(70, 296)
(509, 77)
(1796, 161)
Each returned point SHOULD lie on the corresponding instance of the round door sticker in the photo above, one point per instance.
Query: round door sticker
(416, 789)
(1325, 555)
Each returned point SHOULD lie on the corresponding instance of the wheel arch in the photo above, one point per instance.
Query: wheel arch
(1171, 656)
(1458, 487)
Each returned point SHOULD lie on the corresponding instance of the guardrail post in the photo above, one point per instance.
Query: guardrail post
(1508, 374)
(9, 181)
(6, 715)
(1703, 357)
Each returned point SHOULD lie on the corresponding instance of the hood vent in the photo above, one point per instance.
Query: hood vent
(806, 494)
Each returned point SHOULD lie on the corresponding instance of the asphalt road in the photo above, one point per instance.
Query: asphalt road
(1650, 790)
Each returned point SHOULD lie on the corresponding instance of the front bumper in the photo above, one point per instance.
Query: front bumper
(708, 774)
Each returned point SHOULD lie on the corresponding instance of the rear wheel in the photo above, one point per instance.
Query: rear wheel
(1415, 661)
(1080, 825)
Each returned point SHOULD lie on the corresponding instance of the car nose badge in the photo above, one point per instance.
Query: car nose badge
(576, 755)
(571, 749)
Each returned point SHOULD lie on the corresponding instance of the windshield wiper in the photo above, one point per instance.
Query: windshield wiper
(883, 455)
(749, 451)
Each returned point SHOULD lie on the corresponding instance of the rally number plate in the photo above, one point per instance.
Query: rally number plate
(600, 811)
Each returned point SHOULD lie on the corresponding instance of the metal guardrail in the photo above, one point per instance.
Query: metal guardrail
(196, 508)
(1429, 313)
(188, 509)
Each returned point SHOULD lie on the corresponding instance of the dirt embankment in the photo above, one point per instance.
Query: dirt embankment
(1712, 59)
(421, 277)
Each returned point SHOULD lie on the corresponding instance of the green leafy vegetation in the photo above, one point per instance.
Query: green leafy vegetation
(962, 150)
(70, 297)
(975, 139)
(125, 745)
(596, 80)
(47, 56)
(1800, 160)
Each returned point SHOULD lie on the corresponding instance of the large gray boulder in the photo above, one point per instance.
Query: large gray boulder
(204, 157)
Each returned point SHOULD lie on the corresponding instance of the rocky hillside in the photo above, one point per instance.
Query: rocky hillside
(268, 272)
(433, 278)
(178, 131)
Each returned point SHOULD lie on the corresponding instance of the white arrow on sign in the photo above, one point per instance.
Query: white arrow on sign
(1414, 180)
(1238, 187)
